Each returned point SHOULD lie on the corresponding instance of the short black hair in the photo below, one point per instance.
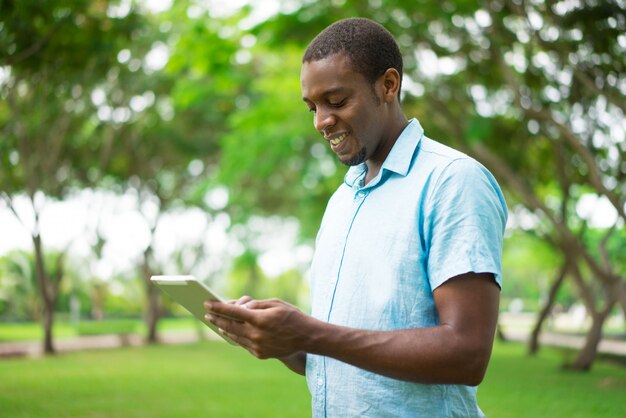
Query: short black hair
(371, 48)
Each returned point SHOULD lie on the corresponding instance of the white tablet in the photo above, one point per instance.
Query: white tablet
(191, 294)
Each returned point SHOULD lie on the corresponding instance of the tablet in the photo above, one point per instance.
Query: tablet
(191, 294)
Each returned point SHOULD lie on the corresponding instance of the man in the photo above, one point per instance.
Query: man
(406, 274)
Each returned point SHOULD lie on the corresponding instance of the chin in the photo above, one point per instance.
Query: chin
(355, 159)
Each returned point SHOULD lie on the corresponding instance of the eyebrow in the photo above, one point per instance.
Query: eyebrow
(327, 93)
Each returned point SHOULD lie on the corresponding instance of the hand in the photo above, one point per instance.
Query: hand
(266, 328)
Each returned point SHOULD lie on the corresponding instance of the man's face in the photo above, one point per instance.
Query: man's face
(347, 110)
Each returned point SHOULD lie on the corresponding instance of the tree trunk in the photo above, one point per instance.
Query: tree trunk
(587, 354)
(48, 321)
(152, 314)
(533, 342)
(48, 295)
(153, 306)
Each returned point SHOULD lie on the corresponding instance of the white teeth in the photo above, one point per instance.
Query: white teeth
(338, 139)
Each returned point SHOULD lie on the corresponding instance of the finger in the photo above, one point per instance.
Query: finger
(239, 339)
(236, 331)
(218, 321)
(243, 300)
(235, 312)
(225, 324)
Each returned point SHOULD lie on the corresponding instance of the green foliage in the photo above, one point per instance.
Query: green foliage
(129, 303)
(247, 278)
(291, 287)
(273, 161)
(19, 287)
(52, 37)
(613, 251)
(114, 298)
(56, 55)
(245, 96)
(537, 85)
(529, 266)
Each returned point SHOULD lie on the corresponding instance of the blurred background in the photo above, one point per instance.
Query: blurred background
(160, 137)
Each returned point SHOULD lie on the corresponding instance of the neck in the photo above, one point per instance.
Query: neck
(396, 127)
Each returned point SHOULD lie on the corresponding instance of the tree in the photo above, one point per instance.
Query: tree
(174, 154)
(543, 58)
(53, 55)
(547, 77)
(272, 159)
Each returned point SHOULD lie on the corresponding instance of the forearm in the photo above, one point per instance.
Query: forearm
(295, 362)
(456, 351)
(428, 355)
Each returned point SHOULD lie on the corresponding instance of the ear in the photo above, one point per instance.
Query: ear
(391, 84)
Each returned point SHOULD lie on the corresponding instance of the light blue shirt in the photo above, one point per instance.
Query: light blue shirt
(430, 214)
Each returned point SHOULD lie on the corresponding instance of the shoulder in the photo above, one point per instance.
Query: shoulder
(449, 161)
(449, 168)
(438, 159)
(437, 150)
(458, 181)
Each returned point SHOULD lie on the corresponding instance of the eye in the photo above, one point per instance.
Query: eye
(312, 109)
(336, 104)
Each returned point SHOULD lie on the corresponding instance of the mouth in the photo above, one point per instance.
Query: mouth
(336, 141)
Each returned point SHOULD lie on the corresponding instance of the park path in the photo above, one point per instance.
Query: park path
(552, 339)
(34, 348)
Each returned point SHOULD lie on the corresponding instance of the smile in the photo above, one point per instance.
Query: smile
(338, 140)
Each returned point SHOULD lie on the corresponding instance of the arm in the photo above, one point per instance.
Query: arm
(296, 362)
(456, 351)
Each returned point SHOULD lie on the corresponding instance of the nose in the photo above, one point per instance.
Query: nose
(323, 120)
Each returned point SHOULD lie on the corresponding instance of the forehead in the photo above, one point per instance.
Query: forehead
(332, 73)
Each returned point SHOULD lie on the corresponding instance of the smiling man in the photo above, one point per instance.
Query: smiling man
(406, 275)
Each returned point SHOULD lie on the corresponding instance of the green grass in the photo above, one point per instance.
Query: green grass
(32, 331)
(520, 386)
(209, 379)
(213, 379)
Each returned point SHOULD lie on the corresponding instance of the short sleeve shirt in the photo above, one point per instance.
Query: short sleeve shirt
(431, 213)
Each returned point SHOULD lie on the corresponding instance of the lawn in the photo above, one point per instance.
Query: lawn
(213, 379)
(209, 379)
(33, 331)
(520, 386)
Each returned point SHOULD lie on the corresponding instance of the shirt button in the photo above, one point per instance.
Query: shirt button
(320, 382)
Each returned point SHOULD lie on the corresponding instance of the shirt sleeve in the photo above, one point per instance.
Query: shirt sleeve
(465, 223)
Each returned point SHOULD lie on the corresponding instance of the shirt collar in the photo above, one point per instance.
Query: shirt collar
(399, 158)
